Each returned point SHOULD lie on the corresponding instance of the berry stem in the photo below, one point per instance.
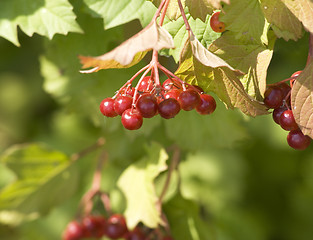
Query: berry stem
(184, 16)
(100, 142)
(280, 82)
(156, 15)
(148, 68)
(167, 2)
(131, 80)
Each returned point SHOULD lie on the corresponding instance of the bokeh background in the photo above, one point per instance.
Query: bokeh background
(240, 171)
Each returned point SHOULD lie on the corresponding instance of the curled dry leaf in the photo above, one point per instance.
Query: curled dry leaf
(302, 100)
(132, 50)
(207, 58)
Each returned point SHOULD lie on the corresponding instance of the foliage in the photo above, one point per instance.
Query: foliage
(237, 178)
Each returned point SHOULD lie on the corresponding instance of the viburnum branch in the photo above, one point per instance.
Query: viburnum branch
(188, 28)
(164, 12)
(86, 203)
(149, 67)
(156, 15)
(280, 82)
(100, 142)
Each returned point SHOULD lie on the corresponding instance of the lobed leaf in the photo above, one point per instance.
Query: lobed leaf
(282, 20)
(200, 8)
(132, 50)
(137, 184)
(45, 178)
(302, 100)
(303, 10)
(218, 78)
(118, 12)
(43, 17)
(252, 59)
(246, 20)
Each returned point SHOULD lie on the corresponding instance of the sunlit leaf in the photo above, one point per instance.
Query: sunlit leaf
(173, 11)
(132, 50)
(43, 17)
(245, 18)
(302, 100)
(303, 10)
(200, 8)
(284, 23)
(138, 180)
(252, 59)
(219, 79)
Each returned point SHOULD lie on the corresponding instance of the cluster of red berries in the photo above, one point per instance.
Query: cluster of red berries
(278, 98)
(98, 226)
(149, 99)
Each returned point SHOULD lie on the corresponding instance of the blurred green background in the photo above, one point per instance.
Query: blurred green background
(250, 184)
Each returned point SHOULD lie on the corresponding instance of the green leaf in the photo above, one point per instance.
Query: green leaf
(282, 20)
(252, 59)
(221, 80)
(43, 17)
(302, 100)
(118, 12)
(173, 11)
(199, 8)
(138, 180)
(177, 29)
(246, 20)
(45, 178)
(185, 220)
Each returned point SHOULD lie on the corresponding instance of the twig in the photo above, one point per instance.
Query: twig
(100, 142)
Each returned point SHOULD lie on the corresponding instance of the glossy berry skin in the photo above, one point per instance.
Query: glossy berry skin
(122, 103)
(146, 84)
(169, 108)
(273, 97)
(285, 89)
(277, 113)
(189, 99)
(116, 226)
(174, 93)
(147, 105)
(287, 121)
(297, 140)
(207, 104)
(167, 85)
(73, 231)
(216, 24)
(296, 74)
(132, 119)
(107, 107)
(94, 226)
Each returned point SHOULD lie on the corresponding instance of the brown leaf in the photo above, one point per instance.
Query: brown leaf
(132, 50)
(302, 100)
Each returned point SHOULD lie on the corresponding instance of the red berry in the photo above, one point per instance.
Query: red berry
(216, 24)
(135, 234)
(296, 74)
(273, 97)
(174, 93)
(169, 108)
(189, 99)
(207, 104)
(297, 140)
(116, 226)
(278, 112)
(287, 121)
(73, 231)
(132, 119)
(147, 105)
(94, 226)
(285, 89)
(107, 107)
(122, 103)
(168, 84)
(146, 84)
